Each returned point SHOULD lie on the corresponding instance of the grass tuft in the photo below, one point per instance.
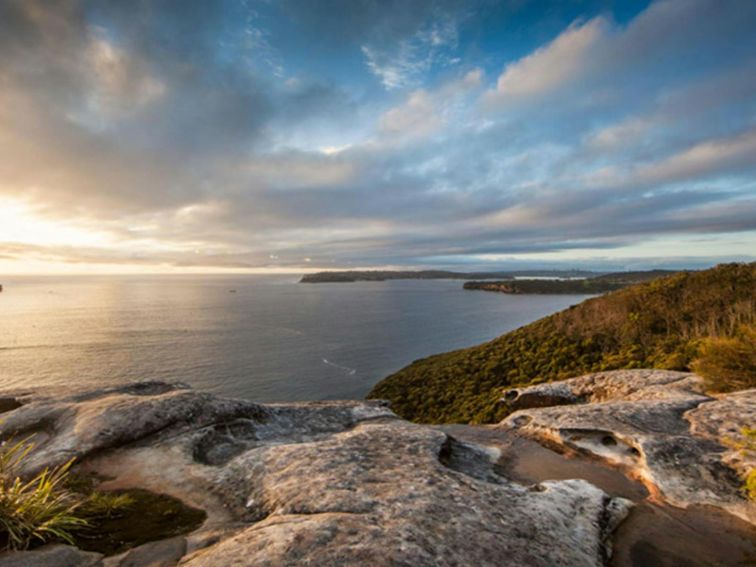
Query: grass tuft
(37, 510)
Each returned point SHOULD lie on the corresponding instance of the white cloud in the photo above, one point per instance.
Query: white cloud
(417, 117)
(565, 60)
(333, 150)
(120, 83)
(703, 159)
(298, 170)
(711, 157)
(425, 113)
(617, 135)
(393, 73)
(246, 168)
(403, 63)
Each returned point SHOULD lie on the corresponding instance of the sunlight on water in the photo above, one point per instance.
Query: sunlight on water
(261, 337)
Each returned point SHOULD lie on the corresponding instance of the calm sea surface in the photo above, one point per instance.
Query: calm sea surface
(265, 338)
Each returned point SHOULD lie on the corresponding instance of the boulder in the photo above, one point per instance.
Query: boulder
(164, 553)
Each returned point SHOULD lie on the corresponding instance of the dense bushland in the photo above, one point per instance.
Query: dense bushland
(587, 286)
(576, 287)
(665, 323)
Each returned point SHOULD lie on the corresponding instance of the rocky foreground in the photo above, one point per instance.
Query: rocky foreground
(658, 426)
(349, 483)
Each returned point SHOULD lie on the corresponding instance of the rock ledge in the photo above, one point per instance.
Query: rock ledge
(325, 483)
(657, 425)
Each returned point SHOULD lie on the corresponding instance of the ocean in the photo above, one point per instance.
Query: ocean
(265, 338)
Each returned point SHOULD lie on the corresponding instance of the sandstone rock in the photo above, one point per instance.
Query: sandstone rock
(327, 483)
(165, 553)
(51, 556)
(68, 425)
(605, 386)
(723, 420)
(657, 425)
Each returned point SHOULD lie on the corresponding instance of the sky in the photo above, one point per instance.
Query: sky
(291, 135)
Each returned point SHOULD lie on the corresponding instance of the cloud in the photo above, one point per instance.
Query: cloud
(299, 170)
(731, 155)
(255, 135)
(424, 113)
(563, 61)
(619, 134)
(417, 117)
(704, 159)
(404, 62)
(119, 85)
(597, 62)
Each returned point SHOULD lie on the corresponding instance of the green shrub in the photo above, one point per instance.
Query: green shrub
(64, 506)
(750, 485)
(747, 447)
(36, 510)
(728, 363)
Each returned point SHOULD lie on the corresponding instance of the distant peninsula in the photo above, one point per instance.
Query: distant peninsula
(590, 286)
(383, 275)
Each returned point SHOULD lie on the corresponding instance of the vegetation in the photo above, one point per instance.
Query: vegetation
(587, 286)
(750, 485)
(728, 363)
(120, 520)
(58, 505)
(633, 277)
(37, 510)
(381, 275)
(576, 287)
(747, 447)
(663, 323)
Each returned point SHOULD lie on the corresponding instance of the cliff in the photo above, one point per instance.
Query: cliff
(664, 323)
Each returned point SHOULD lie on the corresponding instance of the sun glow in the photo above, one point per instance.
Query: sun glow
(20, 224)
(32, 243)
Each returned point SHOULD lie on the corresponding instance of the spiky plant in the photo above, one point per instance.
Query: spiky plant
(748, 445)
(99, 505)
(37, 510)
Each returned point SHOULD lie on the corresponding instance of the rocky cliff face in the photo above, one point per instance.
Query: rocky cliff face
(349, 483)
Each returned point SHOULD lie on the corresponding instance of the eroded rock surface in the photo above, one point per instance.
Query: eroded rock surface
(658, 425)
(328, 483)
